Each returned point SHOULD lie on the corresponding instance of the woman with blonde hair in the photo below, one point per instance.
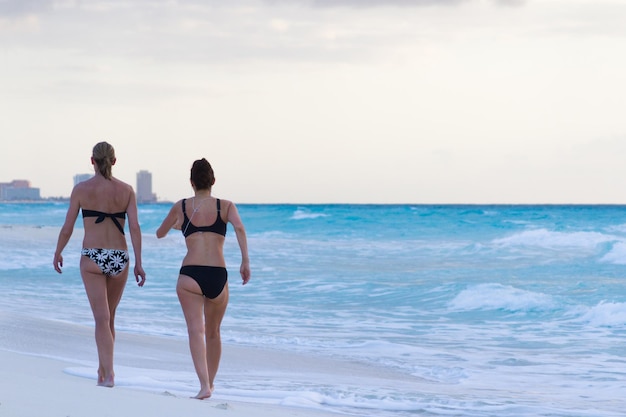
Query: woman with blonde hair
(105, 202)
(202, 286)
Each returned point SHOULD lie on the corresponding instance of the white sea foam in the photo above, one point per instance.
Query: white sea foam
(304, 213)
(495, 296)
(30, 247)
(618, 228)
(154, 380)
(553, 240)
(606, 314)
(617, 254)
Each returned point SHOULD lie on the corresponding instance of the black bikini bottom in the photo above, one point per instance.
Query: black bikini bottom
(211, 279)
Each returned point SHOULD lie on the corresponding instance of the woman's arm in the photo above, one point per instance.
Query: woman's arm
(171, 221)
(240, 231)
(135, 237)
(66, 230)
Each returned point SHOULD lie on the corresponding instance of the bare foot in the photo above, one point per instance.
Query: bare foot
(106, 382)
(204, 394)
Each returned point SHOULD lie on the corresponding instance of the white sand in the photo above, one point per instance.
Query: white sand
(37, 387)
(35, 382)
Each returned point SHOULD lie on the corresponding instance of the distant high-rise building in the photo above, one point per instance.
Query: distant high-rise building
(3, 192)
(81, 177)
(18, 190)
(144, 188)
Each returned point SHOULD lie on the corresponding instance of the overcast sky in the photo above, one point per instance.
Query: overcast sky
(321, 101)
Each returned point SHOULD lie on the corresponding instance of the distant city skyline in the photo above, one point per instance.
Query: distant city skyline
(21, 189)
(18, 190)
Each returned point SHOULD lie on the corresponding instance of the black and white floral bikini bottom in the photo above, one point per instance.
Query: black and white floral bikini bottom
(110, 261)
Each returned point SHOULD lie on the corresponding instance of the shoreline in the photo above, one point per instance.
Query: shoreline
(49, 368)
(33, 386)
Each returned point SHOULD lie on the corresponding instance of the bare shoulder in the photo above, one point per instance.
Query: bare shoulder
(124, 190)
(80, 187)
(121, 184)
(177, 206)
(225, 201)
(82, 190)
(230, 212)
(226, 204)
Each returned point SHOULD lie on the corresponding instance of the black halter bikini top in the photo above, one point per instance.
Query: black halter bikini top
(101, 216)
(219, 226)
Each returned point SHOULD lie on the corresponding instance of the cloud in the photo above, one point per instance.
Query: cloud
(15, 8)
(510, 3)
(391, 3)
(374, 3)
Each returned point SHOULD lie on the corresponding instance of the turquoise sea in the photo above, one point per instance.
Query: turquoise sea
(483, 310)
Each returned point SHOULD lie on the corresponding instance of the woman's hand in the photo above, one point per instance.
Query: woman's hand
(244, 269)
(140, 275)
(58, 262)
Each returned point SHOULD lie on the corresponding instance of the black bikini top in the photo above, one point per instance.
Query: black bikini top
(101, 216)
(218, 226)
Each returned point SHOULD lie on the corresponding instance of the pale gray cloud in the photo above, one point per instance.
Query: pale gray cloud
(362, 4)
(13, 8)
(387, 3)
(512, 3)
(203, 32)
(17, 8)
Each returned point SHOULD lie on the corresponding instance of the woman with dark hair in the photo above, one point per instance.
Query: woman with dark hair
(105, 202)
(202, 286)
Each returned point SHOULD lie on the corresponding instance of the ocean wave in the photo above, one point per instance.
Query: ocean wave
(302, 214)
(547, 239)
(606, 314)
(616, 255)
(30, 247)
(501, 297)
(619, 228)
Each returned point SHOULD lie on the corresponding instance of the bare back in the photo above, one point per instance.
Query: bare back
(205, 248)
(107, 196)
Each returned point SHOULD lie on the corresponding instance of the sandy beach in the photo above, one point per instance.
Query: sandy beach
(37, 379)
(35, 386)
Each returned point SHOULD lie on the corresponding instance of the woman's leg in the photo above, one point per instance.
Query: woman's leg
(104, 295)
(115, 289)
(214, 311)
(192, 303)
